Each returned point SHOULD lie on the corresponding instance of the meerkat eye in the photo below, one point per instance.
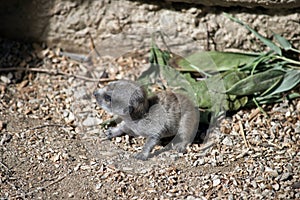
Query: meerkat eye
(107, 97)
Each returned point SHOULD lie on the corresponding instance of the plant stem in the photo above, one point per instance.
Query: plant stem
(295, 50)
(260, 108)
(288, 60)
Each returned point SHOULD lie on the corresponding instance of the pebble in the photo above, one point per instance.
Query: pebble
(192, 198)
(216, 182)
(276, 186)
(71, 195)
(5, 79)
(285, 176)
(98, 186)
(1, 125)
(227, 141)
(71, 117)
(118, 139)
(272, 172)
(91, 121)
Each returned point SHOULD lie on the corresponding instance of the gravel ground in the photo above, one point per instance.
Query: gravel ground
(52, 148)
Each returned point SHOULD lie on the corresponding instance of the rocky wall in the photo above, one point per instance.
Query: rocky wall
(117, 27)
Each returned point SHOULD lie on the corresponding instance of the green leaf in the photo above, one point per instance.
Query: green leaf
(210, 93)
(232, 77)
(256, 83)
(266, 41)
(290, 80)
(157, 58)
(177, 82)
(286, 45)
(150, 75)
(160, 73)
(237, 103)
(183, 65)
(273, 98)
(202, 94)
(213, 61)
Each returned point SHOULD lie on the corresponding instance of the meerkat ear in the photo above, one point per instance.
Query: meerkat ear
(136, 107)
(128, 110)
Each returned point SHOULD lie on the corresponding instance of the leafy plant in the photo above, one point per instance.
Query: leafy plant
(224, 81)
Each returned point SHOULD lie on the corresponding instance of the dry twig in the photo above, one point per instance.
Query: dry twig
(93, 46)
(56, 72)
(3, 165)
(243, 134)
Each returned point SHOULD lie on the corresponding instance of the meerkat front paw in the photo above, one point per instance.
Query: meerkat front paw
(113, 132)
(141, 156)
(109, 134)
(181, 148)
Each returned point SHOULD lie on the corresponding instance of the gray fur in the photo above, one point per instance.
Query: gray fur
(163, 115)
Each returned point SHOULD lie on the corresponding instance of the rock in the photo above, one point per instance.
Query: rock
(227, 141)
(244, 3)
(5, 79)
(285, 176)
(272, 172)
(192, 198)
(216, 182)
(1, 125)
(126, 24)
(91, 121)
(276, 186)
(71, 118)
(5, 138)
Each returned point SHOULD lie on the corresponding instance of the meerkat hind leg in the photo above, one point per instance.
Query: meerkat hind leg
(186, 133)
(148, 146)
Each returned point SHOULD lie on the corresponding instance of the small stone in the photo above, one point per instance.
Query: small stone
(192, 198)
(201, 161)
(56, 157)
(272, 172)
(5, 79)
(205, 186)
(276, 186)
(91, 121)
(285, 176)
(71, 118)
(85, 167)
(98, 186)
(19, 104)
(71, 195)
(118, 139)
(192, 10)
(288, 114)
(254, 184)
(1, 125)
(77, 167)
(216, 182)
(65, 113)
(297, 128)
(296, 185)
(227, 141)
(5, 138)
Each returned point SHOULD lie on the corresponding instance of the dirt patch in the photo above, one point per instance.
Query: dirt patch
(51, 143)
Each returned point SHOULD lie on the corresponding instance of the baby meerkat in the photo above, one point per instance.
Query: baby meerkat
(162, 115)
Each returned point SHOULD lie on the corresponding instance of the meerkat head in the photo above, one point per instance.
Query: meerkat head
(123, 98)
